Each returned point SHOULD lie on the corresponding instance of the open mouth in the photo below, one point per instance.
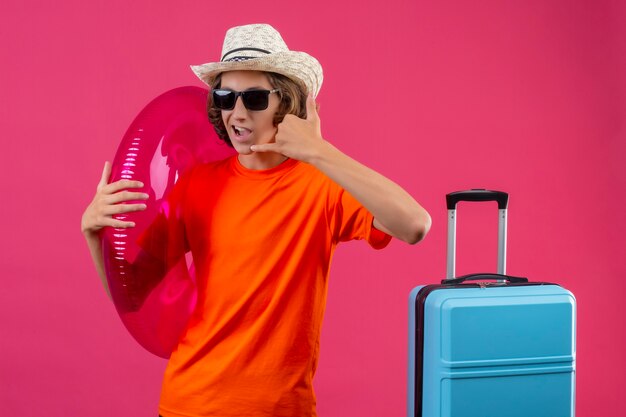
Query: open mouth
(241, 132)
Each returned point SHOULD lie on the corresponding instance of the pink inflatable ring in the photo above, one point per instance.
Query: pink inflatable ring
(168, 137)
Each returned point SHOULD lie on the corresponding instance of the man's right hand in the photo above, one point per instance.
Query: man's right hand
(105, 203)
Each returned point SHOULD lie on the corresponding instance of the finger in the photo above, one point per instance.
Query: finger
(124, 196)
(106, 173)
(120, 224)
(122, 208)
(122, 185)
(266, 147)
(311, 108)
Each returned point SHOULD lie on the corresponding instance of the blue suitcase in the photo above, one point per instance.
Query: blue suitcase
(490, 345)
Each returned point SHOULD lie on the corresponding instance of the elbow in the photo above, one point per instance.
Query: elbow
(419, 229)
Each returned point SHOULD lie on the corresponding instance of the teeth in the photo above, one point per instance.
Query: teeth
(240, 130)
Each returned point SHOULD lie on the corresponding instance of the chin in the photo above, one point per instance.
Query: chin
(242, 149)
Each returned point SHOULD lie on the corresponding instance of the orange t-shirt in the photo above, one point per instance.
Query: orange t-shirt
(262, 243)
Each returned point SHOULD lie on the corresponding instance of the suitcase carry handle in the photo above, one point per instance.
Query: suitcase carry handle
(477, 195)
(481, 277)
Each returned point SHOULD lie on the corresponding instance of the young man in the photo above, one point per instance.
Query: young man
(262, 227)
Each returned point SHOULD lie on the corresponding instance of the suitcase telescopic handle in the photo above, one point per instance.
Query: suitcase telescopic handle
(477, 194)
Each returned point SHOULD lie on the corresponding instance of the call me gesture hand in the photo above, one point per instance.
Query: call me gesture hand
(395, 211)
(298, 138)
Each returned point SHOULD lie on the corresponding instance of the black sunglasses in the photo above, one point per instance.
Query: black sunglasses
(252, 99)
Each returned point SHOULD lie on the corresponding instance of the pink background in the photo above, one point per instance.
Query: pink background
(526, 97)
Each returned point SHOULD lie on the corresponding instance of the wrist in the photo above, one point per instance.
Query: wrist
(91, 234)
(324, 152)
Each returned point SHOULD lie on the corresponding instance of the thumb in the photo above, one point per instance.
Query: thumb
(106, 173)
(311, 108)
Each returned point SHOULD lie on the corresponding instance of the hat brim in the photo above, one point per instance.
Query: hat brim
(298, 66)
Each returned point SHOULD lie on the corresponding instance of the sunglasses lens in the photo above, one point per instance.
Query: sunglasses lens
(252, 99)
(256, 99)
(224, 99)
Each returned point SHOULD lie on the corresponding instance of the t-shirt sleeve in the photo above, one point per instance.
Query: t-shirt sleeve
(166, 238)
(353, 221)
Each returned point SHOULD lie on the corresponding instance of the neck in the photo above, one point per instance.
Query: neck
(260, 161)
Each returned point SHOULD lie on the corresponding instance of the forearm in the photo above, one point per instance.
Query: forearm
(145, 273)
(95, 248)
(394, 210)
(100, 213)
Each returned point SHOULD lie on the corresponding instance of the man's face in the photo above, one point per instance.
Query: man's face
(248, 127)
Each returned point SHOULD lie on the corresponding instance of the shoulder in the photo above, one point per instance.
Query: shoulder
(313, 181)
(200, 173)
(221, 164)
(211, 168)
(305, 170)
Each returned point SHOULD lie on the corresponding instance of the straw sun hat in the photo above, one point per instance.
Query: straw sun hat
(260, 47)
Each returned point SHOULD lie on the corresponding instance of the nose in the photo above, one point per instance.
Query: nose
(239, 111)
